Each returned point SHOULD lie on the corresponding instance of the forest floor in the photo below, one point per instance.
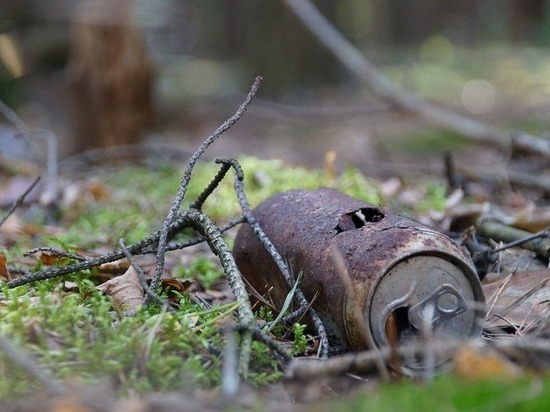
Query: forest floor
(384, 157)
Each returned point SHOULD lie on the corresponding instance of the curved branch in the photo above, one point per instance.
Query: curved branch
(360, 67)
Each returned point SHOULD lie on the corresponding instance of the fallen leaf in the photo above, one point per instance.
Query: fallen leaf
(533, 219)
(4, 271)
(523, 302)
(126, 290)
(47, 258)
(472, 364)
(117, 266)
(98, 190)
(174, 287)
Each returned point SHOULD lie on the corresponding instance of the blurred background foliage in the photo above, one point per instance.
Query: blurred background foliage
(478, 56)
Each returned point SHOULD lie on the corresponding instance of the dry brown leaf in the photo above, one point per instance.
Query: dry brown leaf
(472, 364)
(47, 258)
(533, 219)
(523, 302)
(175, 287)
(126, 290)
(4, 271)
(118, 266)
(98, 190)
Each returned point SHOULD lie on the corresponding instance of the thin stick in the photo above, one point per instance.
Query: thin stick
(176, 246)
(51, 143)
(267, 340)
(56, 252)
(50, 273)
(538, 242)
(358, 65)
(141, 276)
(19, 200)
(230, 366)
(226, 165)
(163, 238)
(307, 369)
(138, 248)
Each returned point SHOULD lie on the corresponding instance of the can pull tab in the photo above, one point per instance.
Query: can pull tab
(446, 301)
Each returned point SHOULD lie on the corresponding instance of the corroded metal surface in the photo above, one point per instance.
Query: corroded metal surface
(365, 268)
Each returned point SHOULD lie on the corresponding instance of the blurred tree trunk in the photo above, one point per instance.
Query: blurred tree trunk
(526, 18)
(272, 44)
(111, 76)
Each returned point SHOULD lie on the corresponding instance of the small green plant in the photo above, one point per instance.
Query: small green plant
(300, 339)
(207, 271)
(435, 194)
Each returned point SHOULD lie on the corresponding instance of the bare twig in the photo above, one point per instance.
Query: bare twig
(538, 242)
(51, 143)
(176, 246)
(230, 366)
(259, 335)
(163, 238)
(356, 62)
(283, 267)
(19, 200)
(310, 369)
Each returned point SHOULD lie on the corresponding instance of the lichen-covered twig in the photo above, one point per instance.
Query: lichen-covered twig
(134, 248)
(186, 178)
(259, 335)
(204, 225)
(226, 165)
(283, 267)
(142, 247)
(56, 252)
(176, 246)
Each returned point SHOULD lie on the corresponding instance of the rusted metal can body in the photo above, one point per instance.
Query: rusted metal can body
(366, 269)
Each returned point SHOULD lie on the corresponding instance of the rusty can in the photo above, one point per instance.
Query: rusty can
(370, 273)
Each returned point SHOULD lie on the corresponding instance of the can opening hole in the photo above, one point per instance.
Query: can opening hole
(359, 218)
(398, 328)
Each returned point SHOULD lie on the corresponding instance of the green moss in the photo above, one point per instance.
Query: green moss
(78, 336)
(449, 393)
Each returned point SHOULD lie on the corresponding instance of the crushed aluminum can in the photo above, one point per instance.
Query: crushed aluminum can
(375, 277)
